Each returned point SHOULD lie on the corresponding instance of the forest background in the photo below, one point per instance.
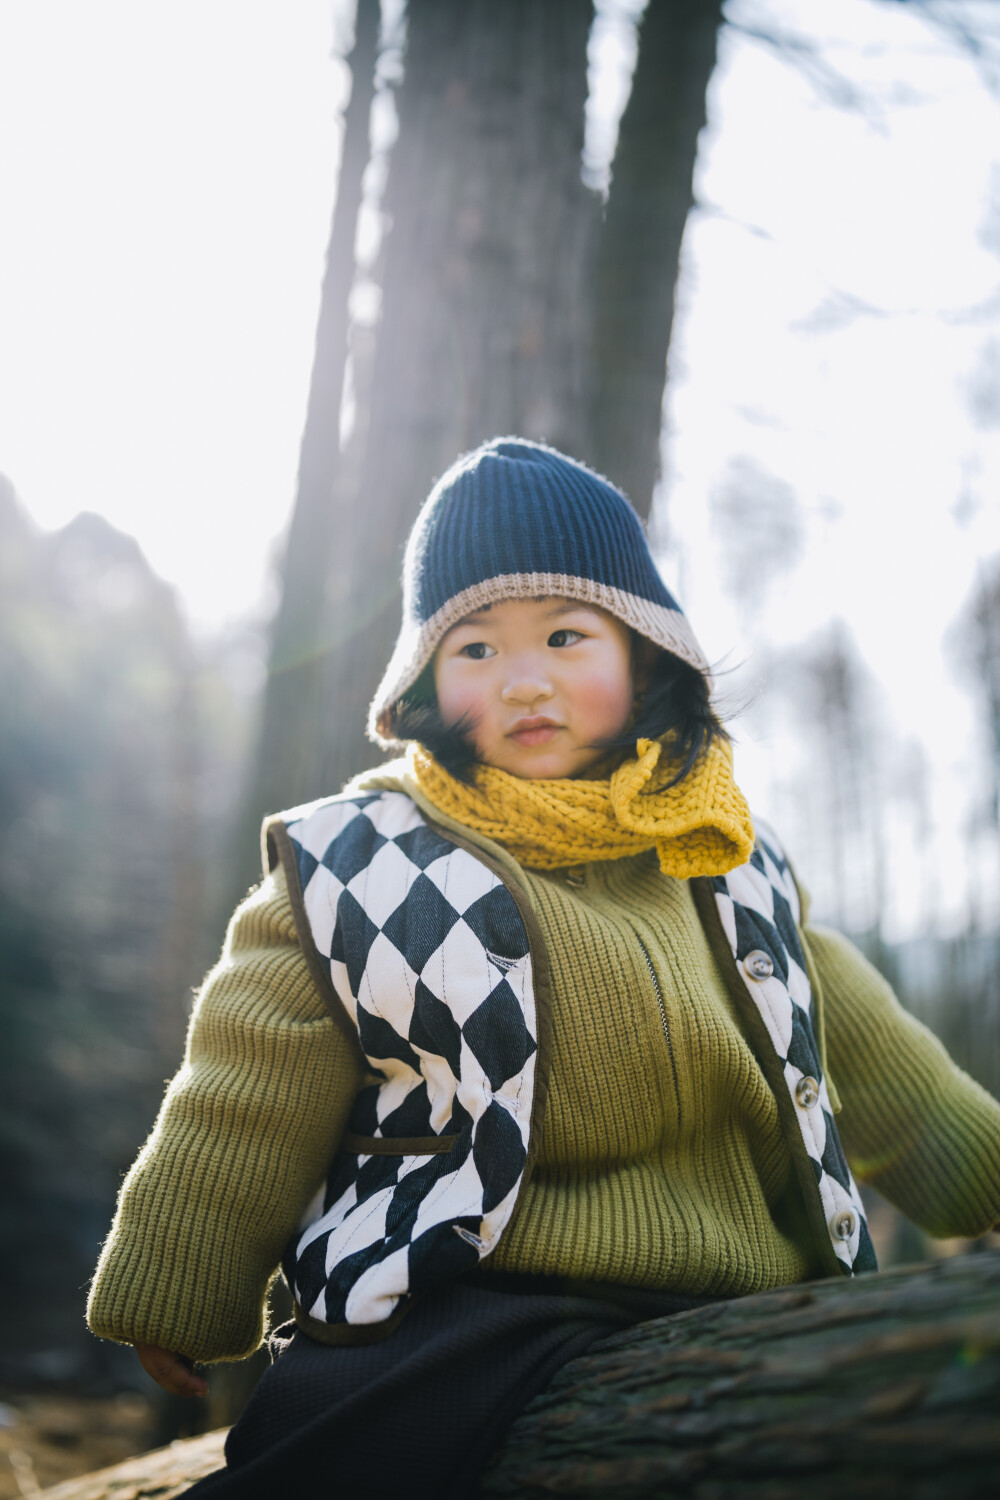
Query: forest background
(528, 205)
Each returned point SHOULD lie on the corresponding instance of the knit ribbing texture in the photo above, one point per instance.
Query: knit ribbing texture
(701, 826)
(661, 1161)
(241, 1143)
(944, 1158)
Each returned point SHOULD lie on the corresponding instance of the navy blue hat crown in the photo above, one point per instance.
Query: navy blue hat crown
(516, 519)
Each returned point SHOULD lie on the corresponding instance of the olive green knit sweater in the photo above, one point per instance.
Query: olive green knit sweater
(662, 1162)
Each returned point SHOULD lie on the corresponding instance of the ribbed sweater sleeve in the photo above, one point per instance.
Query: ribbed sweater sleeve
(913, 1124)
(241, 1143)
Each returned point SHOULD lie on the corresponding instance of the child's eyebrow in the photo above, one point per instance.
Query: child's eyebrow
(570, 607)
(473, 617)
(559, 607)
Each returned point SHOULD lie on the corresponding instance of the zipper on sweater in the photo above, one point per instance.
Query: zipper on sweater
(663, 1019)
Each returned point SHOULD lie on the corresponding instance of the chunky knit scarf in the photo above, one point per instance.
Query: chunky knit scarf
(700, 827)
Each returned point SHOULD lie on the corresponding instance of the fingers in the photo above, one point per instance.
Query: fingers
(172, 1371)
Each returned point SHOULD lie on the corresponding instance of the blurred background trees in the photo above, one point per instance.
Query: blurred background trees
(481, 278)
(117, 762)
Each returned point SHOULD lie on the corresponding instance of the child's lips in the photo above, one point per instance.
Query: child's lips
(530, 732)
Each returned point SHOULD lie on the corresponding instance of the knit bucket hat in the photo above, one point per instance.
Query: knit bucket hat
(519, 520)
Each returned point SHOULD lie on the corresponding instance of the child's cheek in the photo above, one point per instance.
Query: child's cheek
(458, 693)
(610, 695)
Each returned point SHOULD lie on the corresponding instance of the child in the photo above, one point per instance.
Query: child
(523, 1038)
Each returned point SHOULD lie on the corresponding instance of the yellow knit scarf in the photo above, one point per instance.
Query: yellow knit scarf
(700, 827)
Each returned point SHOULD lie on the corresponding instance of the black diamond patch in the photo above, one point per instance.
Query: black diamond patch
(787, 931)
(498, 1153)
(344, 1273)
(420, 923)
(412, 1117)
(353, 849)
(439, 1254)
(307, 1273)
(307, 863)
(410, 1193)
(498, 1036)
(357, 933)
(374, 1174)
(802, 1053)
(434, 1028)
(422, 845)
(834, 1161)
(496, 921)
(865, 1260)
(380, 1040)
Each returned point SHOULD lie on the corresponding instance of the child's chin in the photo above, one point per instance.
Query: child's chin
(541, 767)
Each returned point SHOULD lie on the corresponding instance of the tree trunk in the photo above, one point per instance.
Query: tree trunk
(286, 761)
(507, 307)
(885, 1387)
(485, 296)
(651, 196)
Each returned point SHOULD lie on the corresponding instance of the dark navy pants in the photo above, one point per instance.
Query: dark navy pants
(419, 1412)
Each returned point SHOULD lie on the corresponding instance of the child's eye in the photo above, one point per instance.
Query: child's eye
(477, 650)
(564, 637)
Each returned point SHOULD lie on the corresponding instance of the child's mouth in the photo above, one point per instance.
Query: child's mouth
(533, 732)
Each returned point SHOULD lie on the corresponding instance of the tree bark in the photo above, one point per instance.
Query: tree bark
(651, 196)
(883, 1388)
(485, 297)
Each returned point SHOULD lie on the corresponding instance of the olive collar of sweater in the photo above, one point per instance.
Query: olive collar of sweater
(701, 826)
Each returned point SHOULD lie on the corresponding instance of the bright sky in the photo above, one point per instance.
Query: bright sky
(166, 184)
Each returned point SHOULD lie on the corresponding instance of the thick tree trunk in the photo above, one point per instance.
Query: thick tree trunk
(651, 196)
(885, 1387)
(507, 306)
(485, 295)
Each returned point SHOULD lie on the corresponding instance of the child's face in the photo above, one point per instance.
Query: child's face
(541, 680)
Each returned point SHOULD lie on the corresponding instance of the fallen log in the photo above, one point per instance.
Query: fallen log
(887, 1386)
(163, 1474)
(883, 1386)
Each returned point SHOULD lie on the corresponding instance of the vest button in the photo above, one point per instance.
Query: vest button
(758, 964)
(807, 1093)
(843, 1225)
(576, 876)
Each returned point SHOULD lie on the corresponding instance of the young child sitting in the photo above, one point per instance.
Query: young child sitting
(523, 1038)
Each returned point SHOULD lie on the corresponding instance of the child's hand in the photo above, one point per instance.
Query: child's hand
(172, 1371)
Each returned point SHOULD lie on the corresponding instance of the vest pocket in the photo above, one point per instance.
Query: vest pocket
(380, 1145)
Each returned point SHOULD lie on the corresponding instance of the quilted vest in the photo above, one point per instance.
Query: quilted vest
(434, 964)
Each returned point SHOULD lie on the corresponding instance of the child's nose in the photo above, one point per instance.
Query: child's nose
(526, 684)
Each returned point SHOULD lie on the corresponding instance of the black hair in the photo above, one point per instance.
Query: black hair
(676, 701)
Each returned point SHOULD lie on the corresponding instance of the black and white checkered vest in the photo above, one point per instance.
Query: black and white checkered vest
(759, 910)
(427, 951)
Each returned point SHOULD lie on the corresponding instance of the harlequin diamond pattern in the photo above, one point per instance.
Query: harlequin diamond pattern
(759, 907)
(428, 953)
